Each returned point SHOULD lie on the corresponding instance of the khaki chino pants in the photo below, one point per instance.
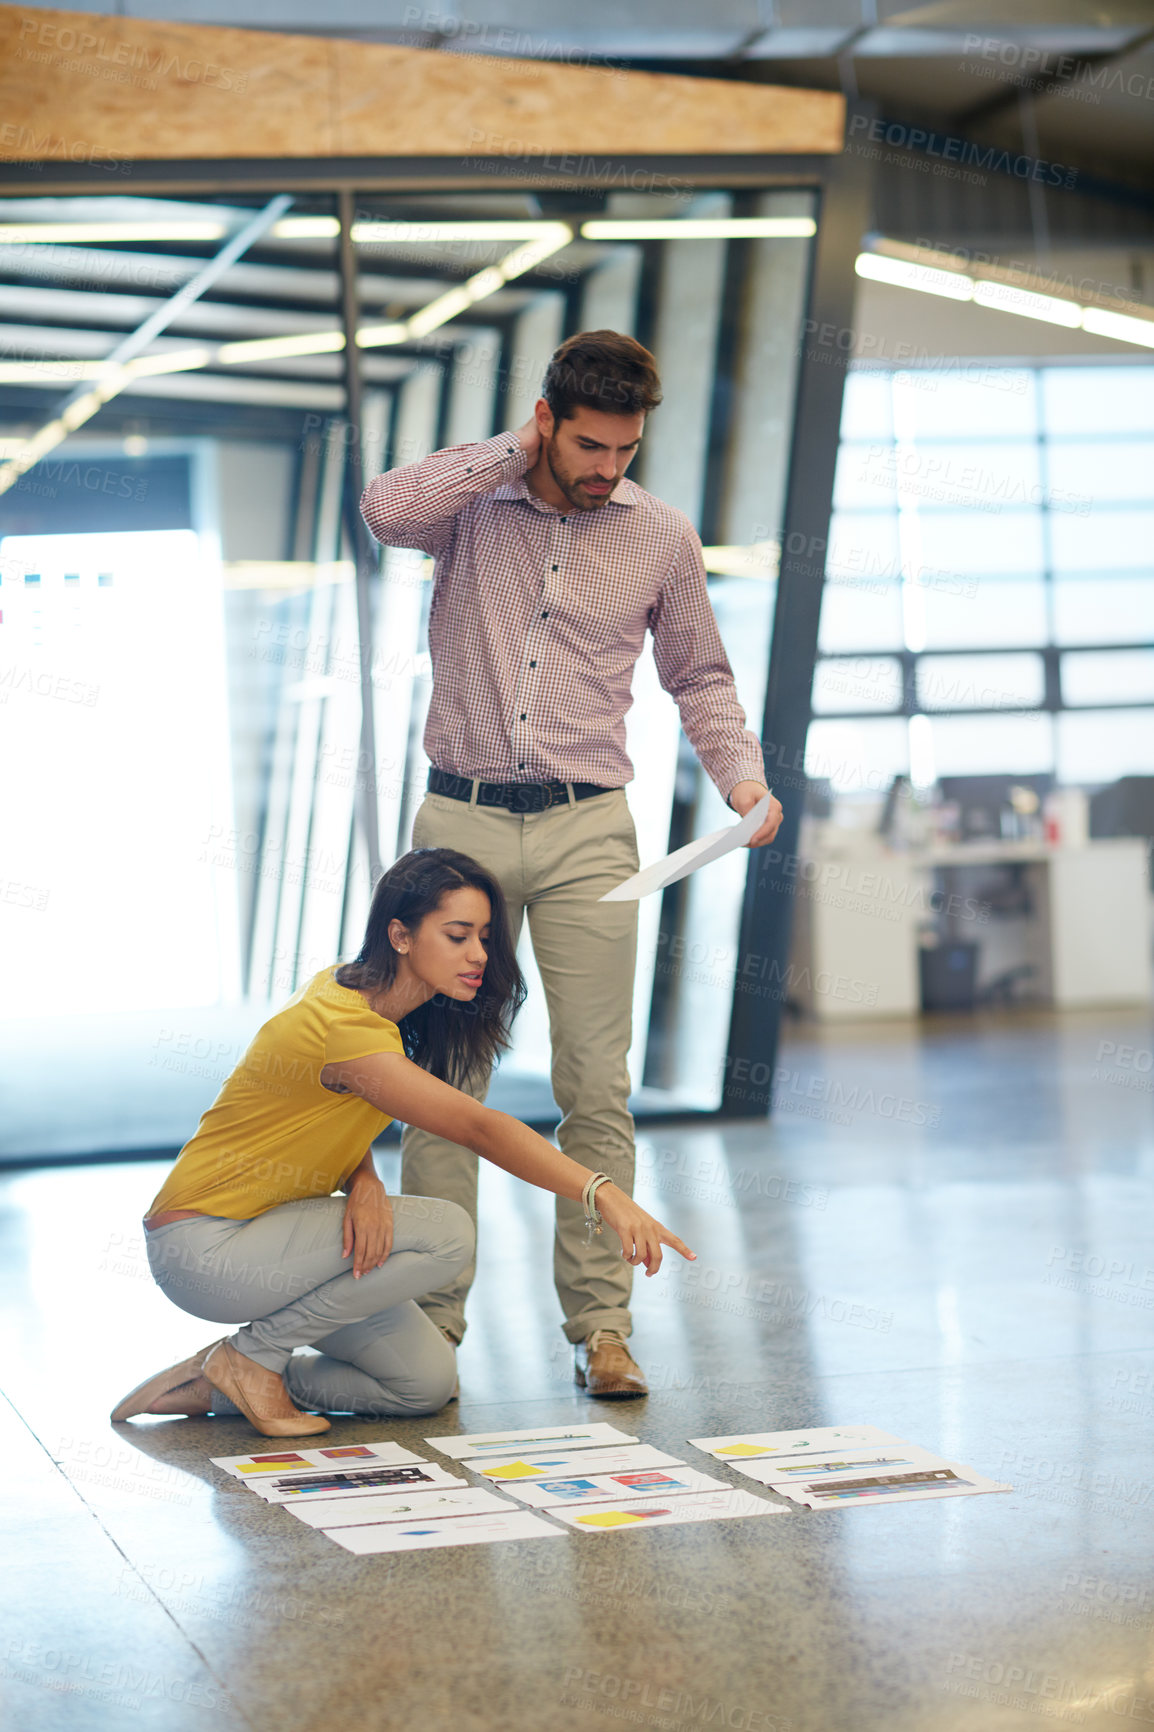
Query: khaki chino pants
(553, 866)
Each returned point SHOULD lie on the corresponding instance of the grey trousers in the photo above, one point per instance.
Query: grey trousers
(282, 1276)
(553, 866)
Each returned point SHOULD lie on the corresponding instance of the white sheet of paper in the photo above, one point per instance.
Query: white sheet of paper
(689, 859)
(420, 1536)
(613, 1487)
(564, 1466)
(662, 1512)
(350, 1512)
(746, 1445)
(250, 1468)
(295, 1488)
(782, 1471)
(510, 1443)
(846, 1491)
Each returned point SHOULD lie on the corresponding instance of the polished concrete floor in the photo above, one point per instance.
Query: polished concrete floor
(946, 1232)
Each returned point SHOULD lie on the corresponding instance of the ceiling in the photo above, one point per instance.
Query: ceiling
(1076, 78)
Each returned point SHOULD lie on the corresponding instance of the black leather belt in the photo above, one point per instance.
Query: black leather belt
(514, 796)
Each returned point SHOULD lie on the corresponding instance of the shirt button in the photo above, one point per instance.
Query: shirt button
(532, 664)
(564, 520)
(554, 568)
(524, 715)
(521, 765)
(545, 615)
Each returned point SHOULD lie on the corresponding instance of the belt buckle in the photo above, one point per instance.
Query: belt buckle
(547, 789)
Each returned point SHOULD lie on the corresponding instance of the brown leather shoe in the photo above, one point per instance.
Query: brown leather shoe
(140, 1399)
(603, 1366)
(260, 1394)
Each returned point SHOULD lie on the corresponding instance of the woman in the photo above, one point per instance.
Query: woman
(246, 1229)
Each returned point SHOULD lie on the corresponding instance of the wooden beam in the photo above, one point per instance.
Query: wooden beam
(82, 87)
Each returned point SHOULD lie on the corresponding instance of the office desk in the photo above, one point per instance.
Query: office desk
(858, 911)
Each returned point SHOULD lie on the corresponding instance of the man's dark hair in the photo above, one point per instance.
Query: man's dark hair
(603, 370)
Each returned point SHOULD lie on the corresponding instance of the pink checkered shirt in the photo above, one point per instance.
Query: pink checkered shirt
(539, 615)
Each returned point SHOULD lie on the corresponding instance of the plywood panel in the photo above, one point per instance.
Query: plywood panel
(82, 87)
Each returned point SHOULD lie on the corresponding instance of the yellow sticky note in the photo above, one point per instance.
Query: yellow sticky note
(610, 1518)
(512, 1470)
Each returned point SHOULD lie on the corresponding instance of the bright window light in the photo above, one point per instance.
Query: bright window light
(700, 229)
(902, 274)
(1004, 298)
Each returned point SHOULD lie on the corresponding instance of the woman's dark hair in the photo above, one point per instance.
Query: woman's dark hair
(451, 1040)
(603, 370)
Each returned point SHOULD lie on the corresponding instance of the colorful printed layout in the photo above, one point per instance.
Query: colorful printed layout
(397, 1506)
(821, 1439)
(425, 1535)
(564, 1465)
(783, 1471)
(612, 1487)
(947, 1480)
(253, 1467)
(352, 1482)
(660, 1512)
(510, 1443)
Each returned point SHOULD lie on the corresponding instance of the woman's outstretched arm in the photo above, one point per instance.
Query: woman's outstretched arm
(394, 1085)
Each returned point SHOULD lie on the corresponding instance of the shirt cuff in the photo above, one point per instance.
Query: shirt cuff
(503, 454)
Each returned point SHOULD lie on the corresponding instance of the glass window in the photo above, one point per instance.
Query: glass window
(1112, 400)
(866, 476)
(1104, 609)
(1108, 677)
(857, 683)
(992, 745)
(863, 545)
(860, 614)
(964, 402)
(858, 755)
(1102, 540)
(979, 613)
(1098, 746)
(866, 410)
(972, 541)
(990, 682)
(987, 477)
(1079, 472)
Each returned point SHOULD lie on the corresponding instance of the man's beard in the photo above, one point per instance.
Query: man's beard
(569, 487)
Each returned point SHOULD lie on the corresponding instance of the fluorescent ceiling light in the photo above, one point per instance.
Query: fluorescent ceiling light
(759, 559)
(1004, 298)
(277, 348)
(435, 233)
(700, 229)
(109, 380)
(1101, 322)
(901, 274)
(18, 234)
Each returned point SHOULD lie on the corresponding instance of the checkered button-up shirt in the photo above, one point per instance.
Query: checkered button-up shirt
(539, 615)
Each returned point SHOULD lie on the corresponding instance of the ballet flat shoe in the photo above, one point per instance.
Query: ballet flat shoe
(140, 1399)
(225, 1370)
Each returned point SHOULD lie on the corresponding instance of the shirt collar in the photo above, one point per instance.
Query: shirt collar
(626, 492)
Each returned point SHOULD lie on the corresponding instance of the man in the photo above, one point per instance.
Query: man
(551, 568)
